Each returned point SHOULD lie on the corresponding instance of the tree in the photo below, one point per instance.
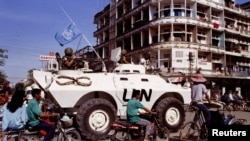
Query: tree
(2, 77)
(3, 56)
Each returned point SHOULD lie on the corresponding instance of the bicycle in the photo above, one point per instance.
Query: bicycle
(197, 129)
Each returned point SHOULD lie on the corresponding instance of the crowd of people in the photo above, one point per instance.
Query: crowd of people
(16, 113)
(5, 92)
(232, 98)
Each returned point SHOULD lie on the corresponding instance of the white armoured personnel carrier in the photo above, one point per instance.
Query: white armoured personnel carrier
(98, 98)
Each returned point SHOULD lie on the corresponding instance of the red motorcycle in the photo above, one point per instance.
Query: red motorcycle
(122, 130)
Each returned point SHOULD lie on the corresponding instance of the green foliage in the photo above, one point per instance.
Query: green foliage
(2, 77)
(3, 56)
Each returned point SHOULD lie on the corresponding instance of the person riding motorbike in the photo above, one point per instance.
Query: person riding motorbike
(133, 112)
(35, 113)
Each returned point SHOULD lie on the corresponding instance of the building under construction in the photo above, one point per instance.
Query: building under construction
(181, 36)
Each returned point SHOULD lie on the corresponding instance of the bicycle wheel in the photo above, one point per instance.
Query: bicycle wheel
(190, 131)
(9, 138)
(30, 139)
(72, 135)
(237, 122)
(163, 133)
(244, 106)
(123, 135)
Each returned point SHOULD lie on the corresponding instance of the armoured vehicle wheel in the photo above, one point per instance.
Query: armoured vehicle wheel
(171, 113)
(95, 118)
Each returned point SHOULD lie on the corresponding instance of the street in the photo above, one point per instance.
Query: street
(189, 116)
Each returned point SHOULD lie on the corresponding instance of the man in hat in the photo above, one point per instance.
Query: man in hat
(198, 90)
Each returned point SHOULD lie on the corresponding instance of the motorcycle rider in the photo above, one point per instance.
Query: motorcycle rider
(133, 112)
(34, 113)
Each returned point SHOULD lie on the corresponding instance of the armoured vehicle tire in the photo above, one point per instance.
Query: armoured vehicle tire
(95, 117)
(171, 113)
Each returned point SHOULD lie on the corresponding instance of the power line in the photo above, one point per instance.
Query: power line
(20, 46)
(24, 50)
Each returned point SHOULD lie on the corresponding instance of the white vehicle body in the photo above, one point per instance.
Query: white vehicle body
(118, 85)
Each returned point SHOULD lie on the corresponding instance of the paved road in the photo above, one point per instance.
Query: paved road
(238, 114)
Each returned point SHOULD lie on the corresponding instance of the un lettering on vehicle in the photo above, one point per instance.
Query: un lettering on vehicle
(144, 95)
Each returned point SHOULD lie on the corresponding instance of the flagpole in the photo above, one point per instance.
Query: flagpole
(104, 66)
(66, 14)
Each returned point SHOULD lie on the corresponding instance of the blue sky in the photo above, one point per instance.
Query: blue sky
(28, 27)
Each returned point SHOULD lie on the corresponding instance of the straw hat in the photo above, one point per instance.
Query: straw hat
(198, 78)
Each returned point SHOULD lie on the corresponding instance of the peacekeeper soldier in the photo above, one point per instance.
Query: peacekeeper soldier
(69, 59)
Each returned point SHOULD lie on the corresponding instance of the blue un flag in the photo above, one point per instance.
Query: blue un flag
(67, 35)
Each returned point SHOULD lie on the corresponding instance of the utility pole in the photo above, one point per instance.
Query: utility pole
(191, 60)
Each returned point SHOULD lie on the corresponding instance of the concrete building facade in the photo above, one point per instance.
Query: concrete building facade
(215, 32)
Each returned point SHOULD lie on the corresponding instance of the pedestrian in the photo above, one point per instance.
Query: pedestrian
(238, 96)
(69, 59)
(232, 99)
(224, 98)
(198, 91)
(35, 114)
(133, 112)
(236, 99)
(6, 88)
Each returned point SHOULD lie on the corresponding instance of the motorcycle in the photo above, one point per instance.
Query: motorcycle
(64, 128)
(122, 130)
